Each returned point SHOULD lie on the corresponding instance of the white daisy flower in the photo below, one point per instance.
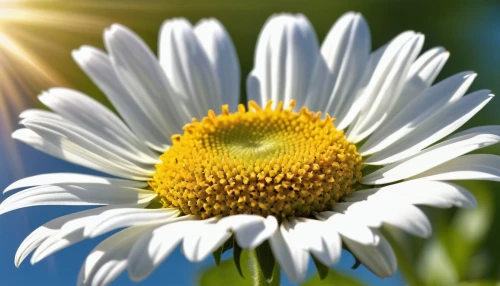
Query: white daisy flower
(272, 176)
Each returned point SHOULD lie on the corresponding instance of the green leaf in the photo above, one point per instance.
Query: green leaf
(333, 278)
(218, 253)
(237, 258)
(266, 260)
(226, 274)
(322, 269)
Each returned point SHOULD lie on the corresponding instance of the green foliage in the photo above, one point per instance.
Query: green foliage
(333, 278)
(480, 283)
(245, 270)
(227, 274)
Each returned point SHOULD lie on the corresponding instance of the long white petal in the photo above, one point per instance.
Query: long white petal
(419, 192)
(459, 144)
(467, 167)
(379, 258)
(124, 217)
(155, 245)
(399, 214)
(88, 146)
(285, 56)
(344, 56)
(77, 194)
(348, 226)
(68, 152)
(221, 52)
(73, 178)
(254, 90)
(76, 107)
(70, 233)
(109, 259)
(386, 84)
(358, 99)
(421, 109)
(421, 75)
(86, 139)
(439, 126)
(141, 74)
(99, 68)
(188, 68)
(288, 252)
(30, 113)
(58, 234)
(40, 234)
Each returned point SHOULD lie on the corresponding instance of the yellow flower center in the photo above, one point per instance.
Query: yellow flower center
(263, 161)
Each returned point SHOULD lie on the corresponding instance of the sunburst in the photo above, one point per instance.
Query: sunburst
(25, 69)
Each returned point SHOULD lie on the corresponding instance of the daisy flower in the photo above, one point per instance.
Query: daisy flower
(336, 141)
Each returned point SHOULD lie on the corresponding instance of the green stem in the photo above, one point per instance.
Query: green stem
(258, 276)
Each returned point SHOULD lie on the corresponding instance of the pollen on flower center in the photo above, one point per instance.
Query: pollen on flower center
(263, 161)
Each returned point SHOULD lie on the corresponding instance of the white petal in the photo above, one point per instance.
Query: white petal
(288, 252)
(285, 56)
(30, 113)
(386, 84)
(124, 217)
(98, 67)
(459, 144)
(59, 233)
(250, 230)
(144, 79)
(87, 146)
(254, 90)
(420, 110)
(307, 232)
(348, 226)
(320, 239)
(419, 192)
(71, 178)
(428, 65)
(109, 259)
(439, 126)
(155, 245)
(78, 194)
(467, 167)
(358, 99)
(40, 234)
(421, 75)
(70, 233)
(203, 239)
(379, 258)
(220, 50)
(344, 56)
(188, 68)
(404, 216)
(34, 140)
(77, 107)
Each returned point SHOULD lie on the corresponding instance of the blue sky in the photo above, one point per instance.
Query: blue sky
(62, 268)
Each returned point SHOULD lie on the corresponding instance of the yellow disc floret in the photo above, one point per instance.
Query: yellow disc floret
(263, 161)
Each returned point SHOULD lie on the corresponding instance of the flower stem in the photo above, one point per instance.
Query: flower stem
(258, 276)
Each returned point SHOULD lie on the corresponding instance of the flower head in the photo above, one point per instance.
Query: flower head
(289, 170)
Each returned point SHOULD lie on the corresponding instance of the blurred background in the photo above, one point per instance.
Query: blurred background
(36, 38)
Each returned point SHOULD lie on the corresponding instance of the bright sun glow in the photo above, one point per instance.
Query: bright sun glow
(24, 72)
